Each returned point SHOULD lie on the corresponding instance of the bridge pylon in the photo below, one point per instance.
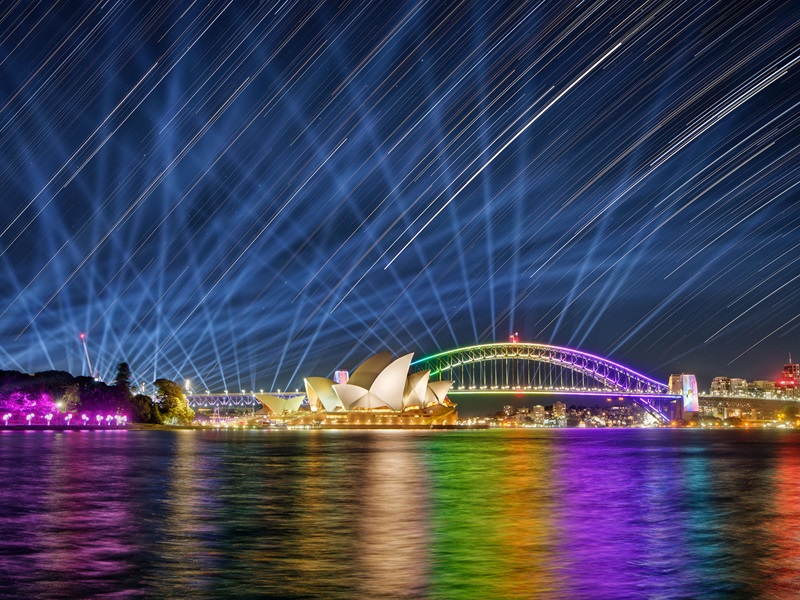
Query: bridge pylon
(685, 385)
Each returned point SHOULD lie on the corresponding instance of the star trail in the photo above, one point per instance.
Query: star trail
(244, 193)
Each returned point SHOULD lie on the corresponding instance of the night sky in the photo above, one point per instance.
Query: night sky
(245, 193)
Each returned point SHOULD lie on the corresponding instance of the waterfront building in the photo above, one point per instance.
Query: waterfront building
(278, 405)
(738, 386)
(559, 410)
(762, 387)
(538, 414)
(735, 386)
(379, 392)
(720, 386)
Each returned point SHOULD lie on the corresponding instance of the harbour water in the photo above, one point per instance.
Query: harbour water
(400, 514)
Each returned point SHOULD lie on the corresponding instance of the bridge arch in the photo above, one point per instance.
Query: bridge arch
(532, 367)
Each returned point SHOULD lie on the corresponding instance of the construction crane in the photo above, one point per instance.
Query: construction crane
(88, 362)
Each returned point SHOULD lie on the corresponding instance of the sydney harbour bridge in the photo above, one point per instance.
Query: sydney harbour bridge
(531, 368)
(521, 368)
(535, 368)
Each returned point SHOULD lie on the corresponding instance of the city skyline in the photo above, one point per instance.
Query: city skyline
(248, 193)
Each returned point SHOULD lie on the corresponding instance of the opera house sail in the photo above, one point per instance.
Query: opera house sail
(381, 392)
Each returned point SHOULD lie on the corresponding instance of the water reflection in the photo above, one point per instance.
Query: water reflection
(85, 531)
(784, 527)
(494, 511)
(502, 514)
(321, 548)
(392, 521)
(68, 535)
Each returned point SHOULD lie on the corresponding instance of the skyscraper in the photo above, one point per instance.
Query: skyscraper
(790, 376)
(791, 370)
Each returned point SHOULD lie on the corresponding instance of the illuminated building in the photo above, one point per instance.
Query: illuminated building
(380, 392)
(738, 386)
(763, 387)
(790, 376)
(720, 386)
(259, 404)
(734, 386)
(559, 410)
(791, 370)
(686, 386)
(538, 414)
(278, 405)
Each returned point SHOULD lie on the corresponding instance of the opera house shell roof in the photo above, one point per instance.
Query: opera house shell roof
(379, 383)
(278, 405)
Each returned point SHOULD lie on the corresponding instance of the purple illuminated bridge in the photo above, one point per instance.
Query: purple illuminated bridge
(526, 368)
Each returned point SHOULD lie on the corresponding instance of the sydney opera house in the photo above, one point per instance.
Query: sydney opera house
(380, 392)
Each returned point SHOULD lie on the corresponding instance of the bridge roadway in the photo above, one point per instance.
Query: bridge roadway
(601, 393)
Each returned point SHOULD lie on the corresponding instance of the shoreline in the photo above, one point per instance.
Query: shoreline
(156, 427)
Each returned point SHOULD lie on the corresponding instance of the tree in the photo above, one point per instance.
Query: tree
(790, 412)
(28, 400)
(144, 409)
(70, 398)
(51, 391)
(171, 402)
(124, 379)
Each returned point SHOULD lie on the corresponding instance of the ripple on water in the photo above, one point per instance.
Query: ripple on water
(387, 514)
